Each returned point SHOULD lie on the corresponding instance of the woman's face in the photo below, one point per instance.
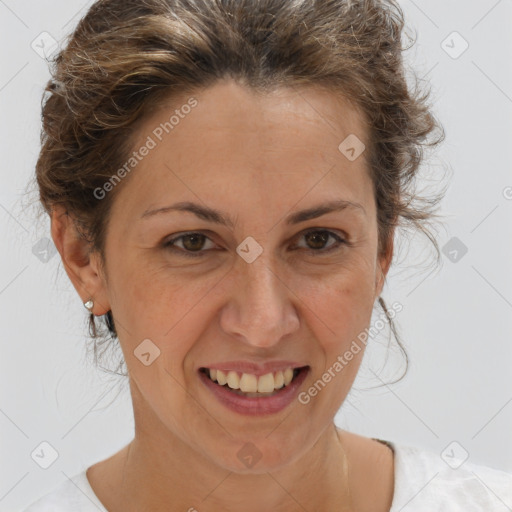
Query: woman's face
(255, 297)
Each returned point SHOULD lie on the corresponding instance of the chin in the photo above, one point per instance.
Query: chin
(259, 456)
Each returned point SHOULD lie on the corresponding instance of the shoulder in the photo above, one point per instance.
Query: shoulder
(74, 494)
(426, 480)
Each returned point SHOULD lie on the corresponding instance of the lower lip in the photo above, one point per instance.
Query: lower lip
(256, 405)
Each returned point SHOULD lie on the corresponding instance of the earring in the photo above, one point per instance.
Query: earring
(89, 305)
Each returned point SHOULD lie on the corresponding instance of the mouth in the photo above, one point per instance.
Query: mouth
(249, 385)
(251, 394)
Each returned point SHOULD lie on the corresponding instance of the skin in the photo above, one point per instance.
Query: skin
(259, 158)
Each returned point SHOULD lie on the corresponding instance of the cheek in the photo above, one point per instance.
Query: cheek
(340, 304)
(169, 309)
(338, 313)
(151, 299)
(173, 308)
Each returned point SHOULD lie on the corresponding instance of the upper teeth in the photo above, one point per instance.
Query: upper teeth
(249, 383)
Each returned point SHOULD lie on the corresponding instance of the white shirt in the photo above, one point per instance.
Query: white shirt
(424, 482)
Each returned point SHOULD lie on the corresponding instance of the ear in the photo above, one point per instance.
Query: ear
(82, 266)
(383, 264)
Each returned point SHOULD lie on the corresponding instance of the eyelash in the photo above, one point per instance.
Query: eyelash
(317, 252)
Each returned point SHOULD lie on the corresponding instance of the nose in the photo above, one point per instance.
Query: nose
(261, 308)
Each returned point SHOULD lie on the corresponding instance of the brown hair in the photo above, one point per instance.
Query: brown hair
(126, 56)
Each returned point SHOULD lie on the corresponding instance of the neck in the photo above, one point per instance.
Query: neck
(160, 472)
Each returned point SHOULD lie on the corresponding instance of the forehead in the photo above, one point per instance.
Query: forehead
(268, 149)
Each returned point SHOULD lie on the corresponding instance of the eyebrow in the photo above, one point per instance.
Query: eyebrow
(218, 217)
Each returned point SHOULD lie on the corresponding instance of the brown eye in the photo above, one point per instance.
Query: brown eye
(317, 239)
(192, 244)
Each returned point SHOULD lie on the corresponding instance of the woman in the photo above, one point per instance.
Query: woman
(224, 180)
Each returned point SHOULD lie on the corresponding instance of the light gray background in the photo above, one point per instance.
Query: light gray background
(456, 321)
